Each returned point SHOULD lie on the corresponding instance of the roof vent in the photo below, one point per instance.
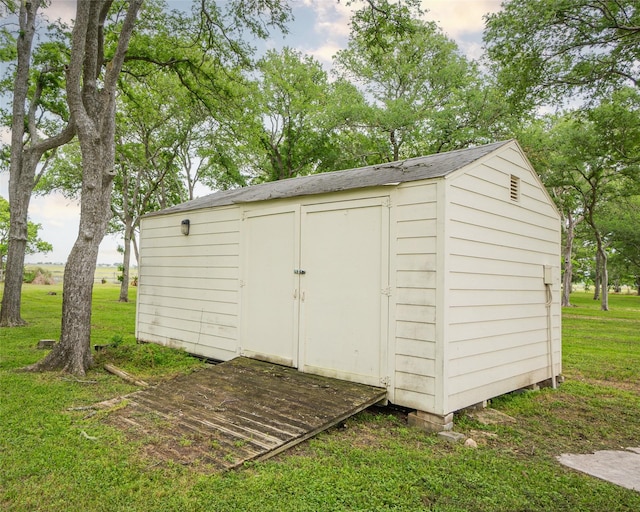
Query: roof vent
(515, 188)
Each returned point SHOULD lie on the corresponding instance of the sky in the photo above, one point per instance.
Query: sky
(320, 28)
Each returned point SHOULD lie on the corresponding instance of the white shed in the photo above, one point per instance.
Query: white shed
(435, 277)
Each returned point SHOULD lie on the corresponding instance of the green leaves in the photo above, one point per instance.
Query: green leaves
(548, 49)
(422, 95)
(46, 80)
(34, 243)
(8, 52)
(590, 162)
(291, 121)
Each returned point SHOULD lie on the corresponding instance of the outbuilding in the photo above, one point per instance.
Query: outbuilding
(435, 277)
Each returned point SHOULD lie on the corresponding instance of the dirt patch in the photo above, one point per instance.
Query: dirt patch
(161, 440)
(41, 278)
(633, 386)
(491, 416)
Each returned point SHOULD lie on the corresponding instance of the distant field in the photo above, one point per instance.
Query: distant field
(109, 274)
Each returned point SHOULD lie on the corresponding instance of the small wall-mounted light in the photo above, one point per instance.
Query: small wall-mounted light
(184, 227)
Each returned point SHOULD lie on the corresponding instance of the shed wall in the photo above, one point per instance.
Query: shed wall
(467, 317)
(497, 334)
(414, 267)
(188, 285)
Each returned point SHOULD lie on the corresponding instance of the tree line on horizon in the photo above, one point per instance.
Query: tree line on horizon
(135, 105)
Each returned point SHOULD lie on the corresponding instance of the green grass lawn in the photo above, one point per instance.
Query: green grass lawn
(54, 456)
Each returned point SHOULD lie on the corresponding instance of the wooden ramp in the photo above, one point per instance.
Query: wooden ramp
(238, 411)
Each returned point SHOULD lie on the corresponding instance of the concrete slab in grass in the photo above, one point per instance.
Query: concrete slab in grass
(621, 467)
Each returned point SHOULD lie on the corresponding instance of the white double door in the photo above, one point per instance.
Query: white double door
(315, 288)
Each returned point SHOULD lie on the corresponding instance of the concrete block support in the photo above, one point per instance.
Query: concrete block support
(430, 422)
(451, 436)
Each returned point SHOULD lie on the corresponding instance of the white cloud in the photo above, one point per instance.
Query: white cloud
(55, 208)
(329, 27)
(324, 54)
(460, 18)
(473, 50)
(332, 18)
(59, 218)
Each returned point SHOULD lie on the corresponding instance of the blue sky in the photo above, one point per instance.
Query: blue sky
(320, 29)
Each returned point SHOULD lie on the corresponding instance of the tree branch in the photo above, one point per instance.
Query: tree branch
(74, 69)
(113, 70)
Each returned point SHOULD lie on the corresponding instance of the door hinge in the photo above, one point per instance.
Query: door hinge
(387, 202)
(385, 382)
(386, 291)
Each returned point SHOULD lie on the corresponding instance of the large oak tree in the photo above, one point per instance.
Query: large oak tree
(91, 83)
(422, 95)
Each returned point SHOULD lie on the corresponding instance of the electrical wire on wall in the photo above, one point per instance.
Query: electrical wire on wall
(552, 365)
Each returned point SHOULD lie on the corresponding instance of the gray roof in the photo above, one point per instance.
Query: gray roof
(412, 169)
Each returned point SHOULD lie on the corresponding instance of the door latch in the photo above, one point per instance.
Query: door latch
(299, 271)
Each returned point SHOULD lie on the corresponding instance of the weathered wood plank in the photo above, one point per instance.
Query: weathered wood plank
(239, 411)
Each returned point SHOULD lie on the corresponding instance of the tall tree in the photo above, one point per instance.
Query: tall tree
(537, 138)
(146, 155)
(91, 94)
(580, 52)
(91, 82)
(33, 134)
(596, 154)
(290, 131)
(621, 220)
(418, 85)
(562, 49)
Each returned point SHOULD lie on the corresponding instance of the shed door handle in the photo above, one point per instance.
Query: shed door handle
(299, 271)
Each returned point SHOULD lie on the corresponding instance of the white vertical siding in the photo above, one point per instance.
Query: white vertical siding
(496, 337)
(414, 251)
(188, 285)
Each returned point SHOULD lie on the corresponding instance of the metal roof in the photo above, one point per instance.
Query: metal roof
(412, 169)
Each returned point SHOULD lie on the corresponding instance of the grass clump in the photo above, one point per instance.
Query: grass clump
(55, 456)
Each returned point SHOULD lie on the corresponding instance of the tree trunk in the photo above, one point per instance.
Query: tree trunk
(23, 166)
(394, 145)
(93, 109)
(604, 277)
(136, 253)
(597, 278)
(21, 183)
(567, 278)
(73, 353)
(16, 249)
(126, 262)
(19, 204)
